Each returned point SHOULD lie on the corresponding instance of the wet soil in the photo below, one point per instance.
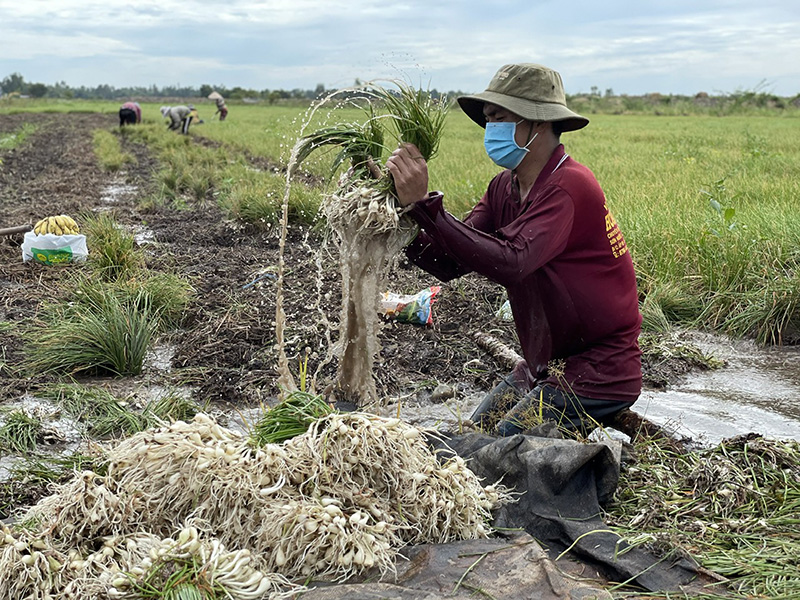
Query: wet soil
(224, 351)
(226, 347)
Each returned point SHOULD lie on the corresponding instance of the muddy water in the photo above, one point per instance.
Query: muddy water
(117, 192)
(758, 390)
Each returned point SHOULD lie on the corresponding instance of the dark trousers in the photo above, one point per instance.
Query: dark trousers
(522, 410)
(127, 116)
(185, 125)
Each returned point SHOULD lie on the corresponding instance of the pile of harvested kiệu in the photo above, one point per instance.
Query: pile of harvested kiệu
(195, 510)
(363, 213)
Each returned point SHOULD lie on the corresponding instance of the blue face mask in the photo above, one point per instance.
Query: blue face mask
(501, 146)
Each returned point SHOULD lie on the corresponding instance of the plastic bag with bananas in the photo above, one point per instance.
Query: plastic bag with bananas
(55, 240)
(58, 225)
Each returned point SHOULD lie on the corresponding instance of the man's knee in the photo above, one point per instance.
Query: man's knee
(502, 398)
(567, 410)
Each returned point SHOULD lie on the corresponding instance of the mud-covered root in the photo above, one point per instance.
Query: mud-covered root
(362, 208)
(369, 232)
(206, 564)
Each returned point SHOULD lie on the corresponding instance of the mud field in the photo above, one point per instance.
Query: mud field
(225, 352)
(226, 347)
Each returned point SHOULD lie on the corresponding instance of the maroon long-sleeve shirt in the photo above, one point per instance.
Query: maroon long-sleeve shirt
(562, 258)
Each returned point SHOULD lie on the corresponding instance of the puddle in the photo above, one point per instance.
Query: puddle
(757, 391)
(242, 420)
(142, 235)
(116, 192)
(445, 415)
(6, 465)
(159, 358)
(61, 434)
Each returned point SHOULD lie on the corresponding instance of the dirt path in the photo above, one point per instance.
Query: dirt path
(226, 348)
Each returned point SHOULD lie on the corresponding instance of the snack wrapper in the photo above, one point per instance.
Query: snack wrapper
(414, 308)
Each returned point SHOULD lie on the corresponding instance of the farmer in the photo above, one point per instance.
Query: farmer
(180, 117)
(542, 230)
(130, 113)
(222, 110)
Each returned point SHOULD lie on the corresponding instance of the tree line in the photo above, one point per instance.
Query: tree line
(594, 101)
(15, 84)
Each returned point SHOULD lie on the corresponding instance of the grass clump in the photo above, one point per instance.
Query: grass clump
(165, 294)
(105, 414)
(256, 197)
(111, 338)
(20, 432)
(108, 150)
(9, 331)
(8, 141)
(112, 251)
(734, 508)
(190, 171)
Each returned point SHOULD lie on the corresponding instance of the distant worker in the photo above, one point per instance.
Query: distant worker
(130, 113)
(222, 110)
(180, 117)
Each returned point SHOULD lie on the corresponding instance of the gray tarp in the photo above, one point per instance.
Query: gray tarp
(563, 484)
(493, 568)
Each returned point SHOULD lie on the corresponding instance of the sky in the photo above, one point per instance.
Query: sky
(629, 47)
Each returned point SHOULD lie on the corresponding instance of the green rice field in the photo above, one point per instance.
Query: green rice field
(708, 204)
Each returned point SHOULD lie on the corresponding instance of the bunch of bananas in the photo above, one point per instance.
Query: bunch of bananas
(59, 225)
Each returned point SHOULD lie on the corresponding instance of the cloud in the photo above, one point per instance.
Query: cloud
(271, 14)
(27, 45)
(675, 47)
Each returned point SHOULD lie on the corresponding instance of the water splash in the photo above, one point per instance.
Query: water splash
(363, 216)
(286, 382)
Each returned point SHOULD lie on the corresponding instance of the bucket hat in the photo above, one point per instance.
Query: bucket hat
(531, 91)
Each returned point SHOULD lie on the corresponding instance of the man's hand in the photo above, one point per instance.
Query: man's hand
(410, 173)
